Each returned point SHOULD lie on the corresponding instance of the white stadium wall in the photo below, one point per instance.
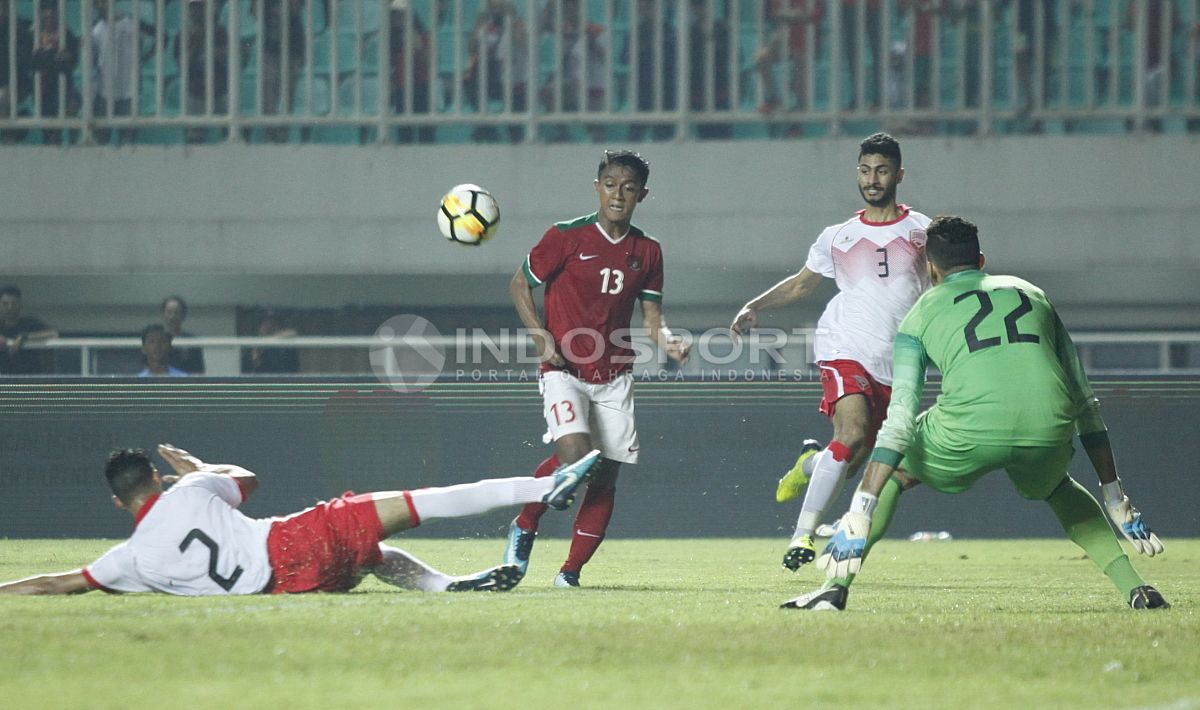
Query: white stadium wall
(96, 235)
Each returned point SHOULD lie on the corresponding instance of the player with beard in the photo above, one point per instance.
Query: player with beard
(877, 259)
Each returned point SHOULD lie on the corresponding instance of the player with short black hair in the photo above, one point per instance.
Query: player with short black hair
(954, 243)
(1013, 393)
(127, 472)
(629, 159)
(191, 540)
(595, 269)
(877, 259)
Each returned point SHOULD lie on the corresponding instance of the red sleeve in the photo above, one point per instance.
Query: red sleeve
(653, 286)
(547, 257)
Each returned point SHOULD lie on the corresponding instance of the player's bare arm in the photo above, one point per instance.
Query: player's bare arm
(876, 475)
(185, 463)
(522, 298)
(792, 289)
(675, 346)
(72, 582)
(1099, 452)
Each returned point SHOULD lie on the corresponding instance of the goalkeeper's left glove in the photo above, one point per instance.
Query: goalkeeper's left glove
(1129, 520)
(843, 556)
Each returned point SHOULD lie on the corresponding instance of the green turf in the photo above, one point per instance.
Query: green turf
(663, 623)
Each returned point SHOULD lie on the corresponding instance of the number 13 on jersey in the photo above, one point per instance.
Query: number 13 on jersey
(612, 280)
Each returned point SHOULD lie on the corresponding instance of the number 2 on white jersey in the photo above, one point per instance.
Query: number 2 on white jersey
(613, 280)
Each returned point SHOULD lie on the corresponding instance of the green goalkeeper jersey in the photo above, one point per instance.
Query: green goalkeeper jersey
(1010, 373)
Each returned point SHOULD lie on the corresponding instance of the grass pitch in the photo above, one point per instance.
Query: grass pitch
(661, 623)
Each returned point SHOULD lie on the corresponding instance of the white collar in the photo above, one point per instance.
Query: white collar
(610, 239)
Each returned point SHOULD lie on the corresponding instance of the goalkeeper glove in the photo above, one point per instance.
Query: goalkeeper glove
(1129, 520)
(843, 556)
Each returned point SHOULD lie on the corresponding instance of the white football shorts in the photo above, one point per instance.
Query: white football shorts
(603, 410)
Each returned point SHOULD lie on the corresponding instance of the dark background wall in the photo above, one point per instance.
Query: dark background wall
(711, 452)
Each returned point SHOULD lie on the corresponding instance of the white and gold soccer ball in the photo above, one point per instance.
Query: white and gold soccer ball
(468, 215)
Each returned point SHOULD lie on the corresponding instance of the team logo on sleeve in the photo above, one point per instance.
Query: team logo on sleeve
(917, 237)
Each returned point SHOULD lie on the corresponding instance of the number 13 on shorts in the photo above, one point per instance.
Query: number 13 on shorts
(602, 410)
(564, 412)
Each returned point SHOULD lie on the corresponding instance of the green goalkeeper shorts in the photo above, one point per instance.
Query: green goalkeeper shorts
(1034, 470)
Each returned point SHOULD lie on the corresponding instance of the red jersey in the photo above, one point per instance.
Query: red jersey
(592, 282)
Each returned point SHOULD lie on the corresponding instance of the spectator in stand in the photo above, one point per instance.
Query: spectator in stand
(16, 331)
(271, 360)
(11, 97)
(281, 26)
(498, 58)
(787, 24)
(191, 54)
(174, 311)
(709, 37)
(581, 75)
(655, 42)
(1156, 44)
(405, 59)
(54, 58)
(156, 349)
(864, 45)
(1029, 60)
(1193, 124)
(115, 38)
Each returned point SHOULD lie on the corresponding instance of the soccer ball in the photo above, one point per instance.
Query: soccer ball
(468, 215)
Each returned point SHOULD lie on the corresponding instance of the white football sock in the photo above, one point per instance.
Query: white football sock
(824, 485)
(479, 497)
(402, 570)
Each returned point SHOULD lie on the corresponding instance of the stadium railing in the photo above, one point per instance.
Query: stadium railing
(776, 355)
(361, 71)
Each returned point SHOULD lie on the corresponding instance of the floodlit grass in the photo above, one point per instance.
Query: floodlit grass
(662, 623)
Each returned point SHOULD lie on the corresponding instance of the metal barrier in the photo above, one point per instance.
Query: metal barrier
(350, 71)
(774, 355)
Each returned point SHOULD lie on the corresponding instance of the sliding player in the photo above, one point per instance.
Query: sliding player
(192, 540)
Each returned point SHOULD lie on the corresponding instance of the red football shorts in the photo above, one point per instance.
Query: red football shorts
(324, 548)
(840, 378)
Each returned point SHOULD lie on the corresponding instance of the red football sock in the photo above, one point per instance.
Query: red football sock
(531, 513)
(590, 524)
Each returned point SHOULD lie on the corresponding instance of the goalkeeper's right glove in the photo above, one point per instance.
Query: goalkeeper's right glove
(1129, 520)
(843, 556)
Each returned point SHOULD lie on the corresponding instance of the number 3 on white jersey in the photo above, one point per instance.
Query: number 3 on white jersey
(614, 280)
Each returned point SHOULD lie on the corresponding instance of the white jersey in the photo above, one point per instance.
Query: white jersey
(880, 271)
(191, 541)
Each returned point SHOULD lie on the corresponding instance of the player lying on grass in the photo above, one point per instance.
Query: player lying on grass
(1012, 392)
(192, 540)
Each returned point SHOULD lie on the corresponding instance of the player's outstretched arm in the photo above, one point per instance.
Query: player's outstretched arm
(790, 290)
(1127, 518)
(72, 582)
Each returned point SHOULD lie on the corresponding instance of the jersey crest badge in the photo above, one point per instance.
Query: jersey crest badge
(917, 237)
(635, 263)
